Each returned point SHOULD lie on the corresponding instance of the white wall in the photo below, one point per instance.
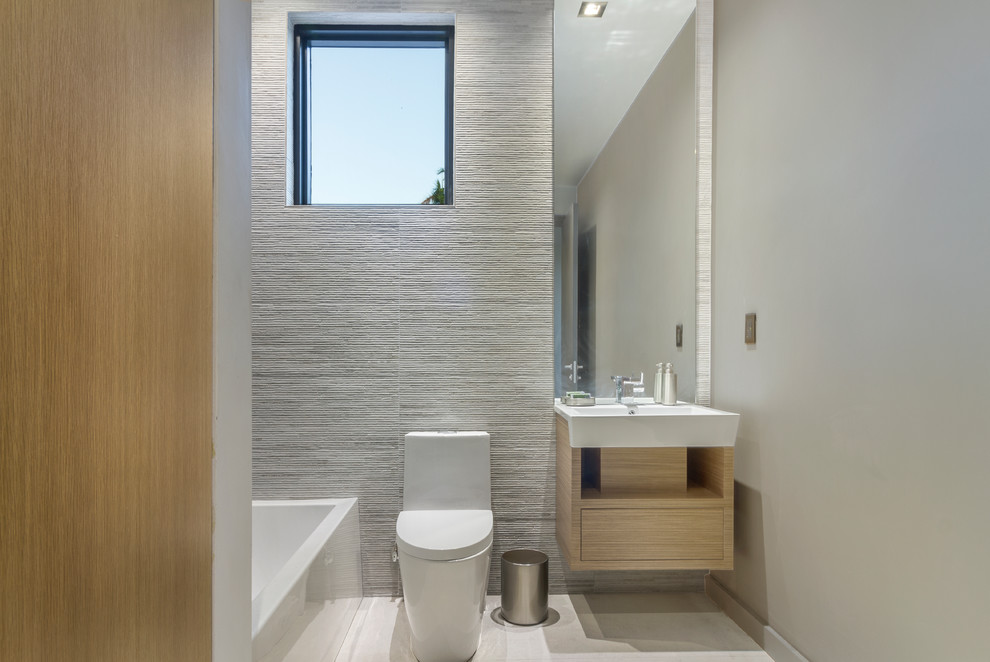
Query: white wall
(640, 196)
(852, 188)
(563, 198)
(232, 332)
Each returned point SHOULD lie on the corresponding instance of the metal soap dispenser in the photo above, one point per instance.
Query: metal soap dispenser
(668, 387)
(658, 384)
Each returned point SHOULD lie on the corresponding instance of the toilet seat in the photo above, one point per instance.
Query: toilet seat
(443, 535)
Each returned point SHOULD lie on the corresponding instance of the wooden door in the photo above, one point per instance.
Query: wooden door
(105, 330)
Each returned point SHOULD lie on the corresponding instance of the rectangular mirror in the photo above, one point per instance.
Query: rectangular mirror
(631, 245)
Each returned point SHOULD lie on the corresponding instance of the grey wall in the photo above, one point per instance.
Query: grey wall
(232, 331)
(370, 322)
(852, 168)
(640, 196)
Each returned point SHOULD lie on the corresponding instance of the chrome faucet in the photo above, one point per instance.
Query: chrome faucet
(574, 369)
(621, 382)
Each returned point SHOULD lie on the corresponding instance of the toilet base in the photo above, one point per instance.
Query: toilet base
(445, 603)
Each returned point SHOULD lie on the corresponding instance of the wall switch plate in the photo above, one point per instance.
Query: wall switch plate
(751, 328)
(679, 336)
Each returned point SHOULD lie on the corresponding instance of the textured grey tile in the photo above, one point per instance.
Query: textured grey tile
(381, 576)
(372, 322)
(371, 472)
(704, 104)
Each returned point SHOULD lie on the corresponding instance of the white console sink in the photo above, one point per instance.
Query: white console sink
(648, 425)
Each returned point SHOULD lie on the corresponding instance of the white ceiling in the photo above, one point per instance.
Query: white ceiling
(599, 66)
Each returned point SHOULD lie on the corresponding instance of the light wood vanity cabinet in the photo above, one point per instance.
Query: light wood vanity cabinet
(643, 508)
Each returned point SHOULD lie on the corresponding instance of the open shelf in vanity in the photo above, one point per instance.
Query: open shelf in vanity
(646, 508)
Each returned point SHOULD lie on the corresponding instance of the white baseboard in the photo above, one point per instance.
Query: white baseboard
(775, 645)
(779, 649)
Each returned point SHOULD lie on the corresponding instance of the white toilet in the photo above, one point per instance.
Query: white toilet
(444, 539)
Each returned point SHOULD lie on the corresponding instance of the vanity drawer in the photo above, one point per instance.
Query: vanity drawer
(651, 534)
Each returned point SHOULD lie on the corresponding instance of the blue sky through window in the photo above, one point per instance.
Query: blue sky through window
(377, 124)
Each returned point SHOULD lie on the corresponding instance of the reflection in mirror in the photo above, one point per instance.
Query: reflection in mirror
(625, 174)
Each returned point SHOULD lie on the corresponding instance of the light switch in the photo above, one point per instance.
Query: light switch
(679, 336)
(751, 328)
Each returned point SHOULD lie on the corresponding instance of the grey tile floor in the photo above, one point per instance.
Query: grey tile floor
(665, 627)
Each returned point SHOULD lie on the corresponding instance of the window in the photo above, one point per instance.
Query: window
(372, 116)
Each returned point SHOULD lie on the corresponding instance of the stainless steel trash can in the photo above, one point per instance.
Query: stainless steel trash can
(525, 584)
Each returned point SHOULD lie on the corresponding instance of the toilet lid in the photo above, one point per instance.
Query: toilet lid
(443, 535)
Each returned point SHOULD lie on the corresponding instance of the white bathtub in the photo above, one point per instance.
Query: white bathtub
(305, 578)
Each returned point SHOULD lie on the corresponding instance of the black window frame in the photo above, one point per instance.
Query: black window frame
(307, 36)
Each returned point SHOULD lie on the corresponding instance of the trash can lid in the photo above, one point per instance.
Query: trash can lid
(524, 557)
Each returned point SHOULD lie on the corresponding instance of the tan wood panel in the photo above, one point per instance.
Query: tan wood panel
(651, 534)
(694, 496)
(728, 490)
(675, 564)
(568, 492)
(565, 489)
(644, 469)
(728, 472)
(591, 468)
(105, 343)
(706, 468)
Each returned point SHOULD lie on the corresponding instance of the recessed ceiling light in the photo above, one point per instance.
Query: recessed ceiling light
(592, 9)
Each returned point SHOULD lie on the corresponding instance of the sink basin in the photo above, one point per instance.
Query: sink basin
(649, 425)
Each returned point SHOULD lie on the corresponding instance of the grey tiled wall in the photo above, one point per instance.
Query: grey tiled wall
(372, 322)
